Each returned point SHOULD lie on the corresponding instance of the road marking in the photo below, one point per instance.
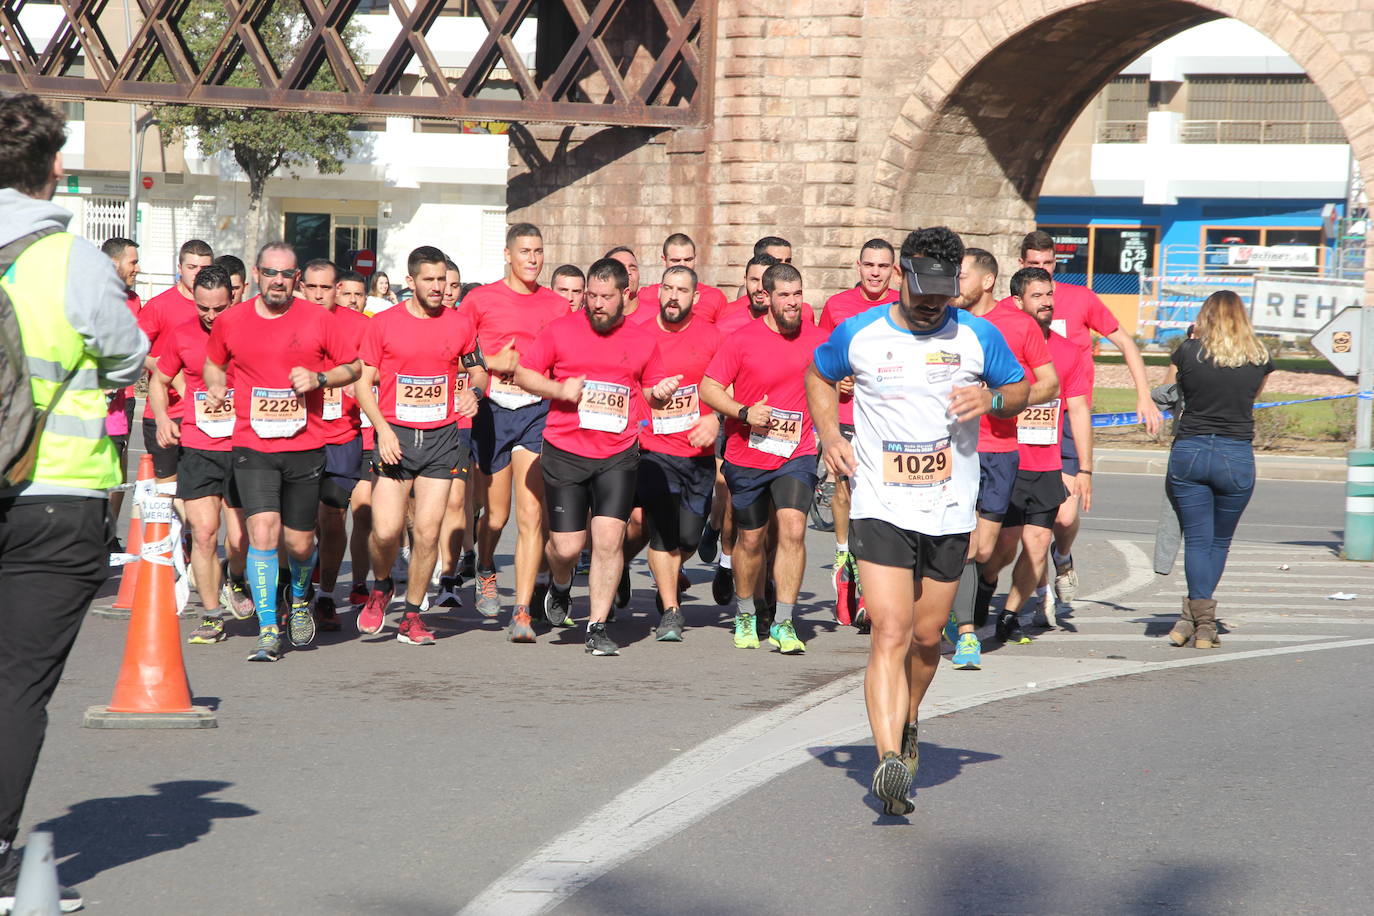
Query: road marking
(1066, 636)
(1230, 618)
(1087, 519)
(1140, 572)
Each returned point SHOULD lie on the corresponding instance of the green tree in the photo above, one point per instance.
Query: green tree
(261, 141)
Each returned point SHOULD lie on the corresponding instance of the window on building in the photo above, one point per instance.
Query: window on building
(1125, 108)
(1259, 109)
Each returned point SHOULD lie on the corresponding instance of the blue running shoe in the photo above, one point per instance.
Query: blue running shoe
(968, 653)
(951, 630)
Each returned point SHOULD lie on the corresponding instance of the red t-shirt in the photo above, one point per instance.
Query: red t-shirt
(1044, 423)
(759, 361)
(342, 416)
(836, 310)
(182, 349)
(261, 352)
(417, 360)
(160, 314)
(735, 316)
(502, 315)
(1027, 342)
(1080, 316)
(687, 352)
(616, 367)
(710, 301)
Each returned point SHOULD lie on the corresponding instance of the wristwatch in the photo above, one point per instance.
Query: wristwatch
(997, 401)
(744, 414)
(320, 380)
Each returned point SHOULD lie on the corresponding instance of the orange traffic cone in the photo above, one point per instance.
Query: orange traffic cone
(134, 542)
(152, 690)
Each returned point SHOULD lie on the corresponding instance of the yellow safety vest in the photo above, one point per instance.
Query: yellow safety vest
(74, 450)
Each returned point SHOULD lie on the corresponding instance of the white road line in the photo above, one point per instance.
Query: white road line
(1139, 573)
(1262, 619)
(1088, 519)
(1057, 636)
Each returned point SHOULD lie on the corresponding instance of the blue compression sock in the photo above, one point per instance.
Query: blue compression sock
(261, 572)
(300, 574)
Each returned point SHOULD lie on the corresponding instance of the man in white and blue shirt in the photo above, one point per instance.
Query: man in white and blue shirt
(922, 371)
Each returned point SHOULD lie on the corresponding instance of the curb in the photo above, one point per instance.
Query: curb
(1267, 467)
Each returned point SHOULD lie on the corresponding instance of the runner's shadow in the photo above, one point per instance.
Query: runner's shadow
(104, 833)
(939, 765)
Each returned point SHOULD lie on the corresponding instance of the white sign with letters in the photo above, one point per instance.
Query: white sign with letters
(1274, 256)
(1301, 305)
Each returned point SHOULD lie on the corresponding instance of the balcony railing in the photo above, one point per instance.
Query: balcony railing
(1121, 131)
(1262, 131)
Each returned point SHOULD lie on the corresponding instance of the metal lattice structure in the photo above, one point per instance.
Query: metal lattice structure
(623, 62)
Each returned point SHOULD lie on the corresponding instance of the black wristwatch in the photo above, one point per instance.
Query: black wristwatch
(321, 380)
(744, 414)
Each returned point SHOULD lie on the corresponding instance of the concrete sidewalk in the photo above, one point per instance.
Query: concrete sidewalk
(1268, 467)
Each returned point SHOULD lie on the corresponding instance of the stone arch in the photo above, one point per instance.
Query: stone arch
(974, 138)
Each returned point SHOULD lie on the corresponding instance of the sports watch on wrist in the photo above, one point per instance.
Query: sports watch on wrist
(744, 414)
(997, 401)
(321, 380)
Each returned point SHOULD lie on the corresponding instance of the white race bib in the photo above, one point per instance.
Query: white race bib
(680, 414)
(605, 406)
(276, 413)
(421, 398)
(782, 435)
(509, 395)
(219, 423)
(1039, 424)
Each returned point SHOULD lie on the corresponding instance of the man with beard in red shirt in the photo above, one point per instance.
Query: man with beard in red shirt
(597, 371)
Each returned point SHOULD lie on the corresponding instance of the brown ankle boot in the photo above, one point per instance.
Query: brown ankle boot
(1183, 630)
(1205, 619)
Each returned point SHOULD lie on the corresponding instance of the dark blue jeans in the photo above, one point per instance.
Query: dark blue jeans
(1209, 482)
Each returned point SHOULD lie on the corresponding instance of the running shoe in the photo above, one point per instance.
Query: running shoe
(539, 597)
(233, 595)
(468, 569)
(684, 584)
(326, 615)
(622, 592)
(413, 632)
(891, 784)
(210, 631)
(710, 541)
(302, 627)
(599, 642)
(400, 570)
(558, 606)
(722, 586)
(746, 633)
(373, 614)
(1065, 579)
(784, 636)
(669, 627)
(968, 653)
(844, 587)
(521, 628)
(358, 596)
(269, 645)
(950, 633)
(448, 592)
(584, 563)
(1045, 615)
(911, 749)
(488, 599)
(861, 621)
(1009, 630)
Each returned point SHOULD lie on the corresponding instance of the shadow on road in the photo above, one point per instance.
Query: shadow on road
(104, 833)
(938, 765)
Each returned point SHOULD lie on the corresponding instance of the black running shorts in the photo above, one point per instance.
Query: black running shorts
(937, 557)
(575, 486)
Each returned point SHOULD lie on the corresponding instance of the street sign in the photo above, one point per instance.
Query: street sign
(1339, 341)
(365, 262)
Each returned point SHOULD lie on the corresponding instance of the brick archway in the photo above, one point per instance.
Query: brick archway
(974, 138)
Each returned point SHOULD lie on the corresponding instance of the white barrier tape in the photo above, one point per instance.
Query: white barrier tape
(123, 559)
(158, 509)
(167, 489)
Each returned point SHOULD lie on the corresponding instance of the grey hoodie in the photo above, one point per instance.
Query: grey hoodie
(95, 307)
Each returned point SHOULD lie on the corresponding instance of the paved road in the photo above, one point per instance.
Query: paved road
(365, 776)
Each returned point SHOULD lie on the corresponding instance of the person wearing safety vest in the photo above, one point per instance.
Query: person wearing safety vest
(71, 315)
